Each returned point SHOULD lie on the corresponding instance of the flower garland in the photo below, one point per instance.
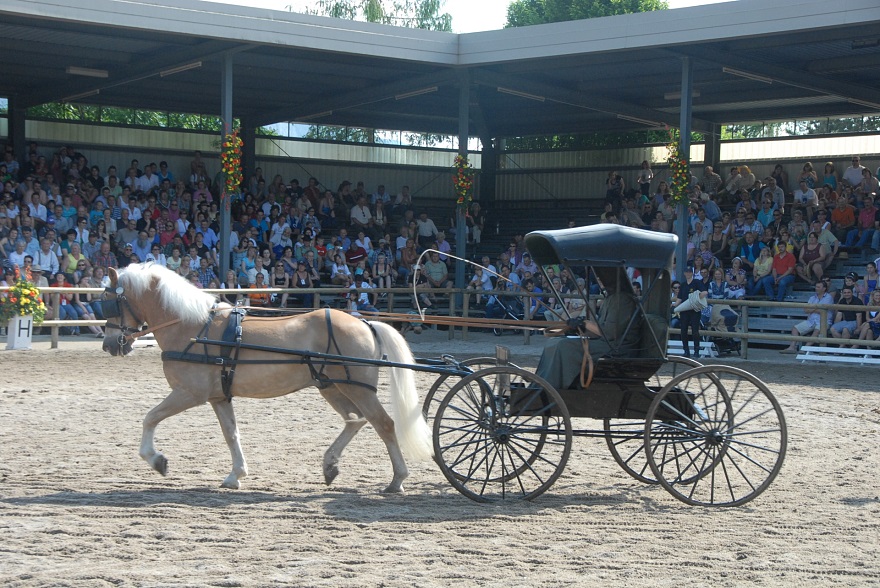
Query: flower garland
(23, 298)
(230, 158)
(678, 167)
(463, 182)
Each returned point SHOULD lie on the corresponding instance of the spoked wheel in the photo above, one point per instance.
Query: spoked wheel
(502, 434)
(715, 436)
(444, 383)
(626, 437)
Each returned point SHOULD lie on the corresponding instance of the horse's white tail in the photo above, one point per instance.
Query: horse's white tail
(413, 433)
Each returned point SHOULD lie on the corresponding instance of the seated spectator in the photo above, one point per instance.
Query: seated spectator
(480, 282)
(843, 219)
(812, 325)
(870, 329)
(847, 322)
(812, 256)
(805, 198)
(66, 310)
(384, 270)
(763, 268)
(737, 279)
(826, 238)
(869, 216)
(259, 299)
(436, 272)
(355, 255)
(82, 303)
(339, 270)
(427, 231)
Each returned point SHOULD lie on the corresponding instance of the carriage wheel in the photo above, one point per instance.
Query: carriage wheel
(502, 433)
(444, 383)
(626, 438)
(715, 436)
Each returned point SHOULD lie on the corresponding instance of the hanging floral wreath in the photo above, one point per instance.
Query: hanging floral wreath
(678, 168)
(463, 181)
(22, 299)
(230, 158)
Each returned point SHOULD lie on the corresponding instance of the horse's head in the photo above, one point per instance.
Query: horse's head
(121, 321)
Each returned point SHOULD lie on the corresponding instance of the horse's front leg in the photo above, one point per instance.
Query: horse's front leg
(226, 417)
(176, 402)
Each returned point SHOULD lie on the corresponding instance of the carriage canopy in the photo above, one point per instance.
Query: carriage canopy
(603, 245)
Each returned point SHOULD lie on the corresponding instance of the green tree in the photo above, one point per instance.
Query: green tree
(415, 14)
(522, 13)
(530, 12)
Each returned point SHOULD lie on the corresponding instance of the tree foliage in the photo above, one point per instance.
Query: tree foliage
(531, 12)
(522, 13)
(132, 116)
(414, 14)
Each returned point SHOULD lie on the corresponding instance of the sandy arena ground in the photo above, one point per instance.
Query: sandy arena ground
(78, 507)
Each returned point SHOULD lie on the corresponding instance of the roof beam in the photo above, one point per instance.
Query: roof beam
(131, 73)
(580, 100)
(359, 97)
(789, 77)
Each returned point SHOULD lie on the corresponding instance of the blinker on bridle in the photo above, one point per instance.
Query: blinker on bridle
(115, 308)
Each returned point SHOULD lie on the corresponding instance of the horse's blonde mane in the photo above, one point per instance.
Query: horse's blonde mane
(176, 295)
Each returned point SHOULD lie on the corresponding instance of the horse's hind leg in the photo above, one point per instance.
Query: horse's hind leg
(226, 417)
(176, 402)
(371, 408)
(354, 422)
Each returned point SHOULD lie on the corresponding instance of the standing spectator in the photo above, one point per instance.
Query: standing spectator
(690, 319)
(476, 222)
(645, 176)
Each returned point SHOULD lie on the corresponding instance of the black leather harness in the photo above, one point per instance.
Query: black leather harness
(230, 347)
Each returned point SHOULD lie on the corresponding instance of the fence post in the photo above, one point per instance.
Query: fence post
(527, 313)
(745, 328)
(56, 313)
(465, 306)
(451, 314)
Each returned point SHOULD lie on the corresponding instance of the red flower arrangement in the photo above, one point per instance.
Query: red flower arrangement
(463, 182)
(678, 167)
(230, 159)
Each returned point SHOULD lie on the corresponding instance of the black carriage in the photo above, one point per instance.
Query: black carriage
(711, 435)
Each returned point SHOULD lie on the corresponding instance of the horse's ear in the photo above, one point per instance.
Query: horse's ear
(114, 277)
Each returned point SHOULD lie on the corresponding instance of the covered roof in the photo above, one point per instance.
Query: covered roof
(603, 245)
(753, 60)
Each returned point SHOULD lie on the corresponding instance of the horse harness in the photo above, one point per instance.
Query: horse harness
(230, 347)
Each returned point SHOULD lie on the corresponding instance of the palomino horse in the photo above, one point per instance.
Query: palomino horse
(175, 311)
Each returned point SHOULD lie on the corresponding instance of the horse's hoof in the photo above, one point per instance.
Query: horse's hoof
(160, 464)
(393, 489)
(330, 473)
(231, 483)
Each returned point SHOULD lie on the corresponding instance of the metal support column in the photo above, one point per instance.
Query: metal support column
(248, 136)
(16, 120)
(682, 225)
(225, 198)
(464, 99)
(713, 147)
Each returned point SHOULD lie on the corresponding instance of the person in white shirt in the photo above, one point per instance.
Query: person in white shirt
(853, 174)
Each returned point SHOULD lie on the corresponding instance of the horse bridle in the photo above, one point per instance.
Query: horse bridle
(115, 307)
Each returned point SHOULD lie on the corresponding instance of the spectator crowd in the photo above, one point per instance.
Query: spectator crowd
(64, 221)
